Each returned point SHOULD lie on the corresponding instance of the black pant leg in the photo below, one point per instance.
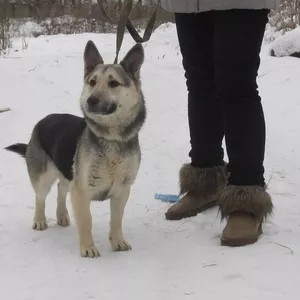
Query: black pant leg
(195, 34)
(238, 38)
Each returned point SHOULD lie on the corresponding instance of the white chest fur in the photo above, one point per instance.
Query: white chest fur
(104, 172)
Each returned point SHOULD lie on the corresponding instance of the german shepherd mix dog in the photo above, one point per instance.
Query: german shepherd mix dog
(96, 157)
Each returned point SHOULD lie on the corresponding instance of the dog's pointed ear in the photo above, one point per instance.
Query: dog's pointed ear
(92, 57)
(133, 61)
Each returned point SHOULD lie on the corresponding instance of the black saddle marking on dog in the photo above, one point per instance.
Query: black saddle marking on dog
(58, 135)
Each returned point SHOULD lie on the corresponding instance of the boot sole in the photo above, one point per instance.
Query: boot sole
(191, 213)
(242, 242)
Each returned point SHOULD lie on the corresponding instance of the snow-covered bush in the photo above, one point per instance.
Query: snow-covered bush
(287, 45)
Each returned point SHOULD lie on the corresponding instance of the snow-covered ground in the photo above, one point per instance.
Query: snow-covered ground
(170, 260)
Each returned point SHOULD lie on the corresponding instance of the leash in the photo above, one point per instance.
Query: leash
(125, 22)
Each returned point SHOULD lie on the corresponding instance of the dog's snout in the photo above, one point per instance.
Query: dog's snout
(100, 106)
(92, 100)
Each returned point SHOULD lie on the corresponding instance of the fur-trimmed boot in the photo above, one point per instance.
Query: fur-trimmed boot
(245, 208)
(200, 188)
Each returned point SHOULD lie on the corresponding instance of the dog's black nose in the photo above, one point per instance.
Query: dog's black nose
(92, 101)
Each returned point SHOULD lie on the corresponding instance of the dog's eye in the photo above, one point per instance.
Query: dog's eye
(113, 83)
(92, 82)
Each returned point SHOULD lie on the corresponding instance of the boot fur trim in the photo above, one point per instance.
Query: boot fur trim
(249, 199)
(201, 181)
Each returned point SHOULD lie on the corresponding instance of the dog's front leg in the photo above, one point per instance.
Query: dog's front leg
(117, 207)
(81, 207)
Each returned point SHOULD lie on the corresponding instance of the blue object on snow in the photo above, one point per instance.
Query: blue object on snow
(167, 197)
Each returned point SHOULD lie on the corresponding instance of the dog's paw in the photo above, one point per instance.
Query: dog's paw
(91, 251)
(39, 225)
(63, 220)
(119, 244)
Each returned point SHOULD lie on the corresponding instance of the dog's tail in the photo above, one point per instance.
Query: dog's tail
(19, 148)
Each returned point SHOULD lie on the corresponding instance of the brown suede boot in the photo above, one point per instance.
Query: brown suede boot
(245, 207)
(200, 189)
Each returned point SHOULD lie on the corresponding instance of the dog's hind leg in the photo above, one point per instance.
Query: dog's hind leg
(42, 186)
(42, 173)
(62, 214)
(117, 207)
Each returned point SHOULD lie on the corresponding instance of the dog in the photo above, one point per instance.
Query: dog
(94, 157)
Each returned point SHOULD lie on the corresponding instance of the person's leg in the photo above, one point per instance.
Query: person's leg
(196, 40)
(200, 178)
(238, 39)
